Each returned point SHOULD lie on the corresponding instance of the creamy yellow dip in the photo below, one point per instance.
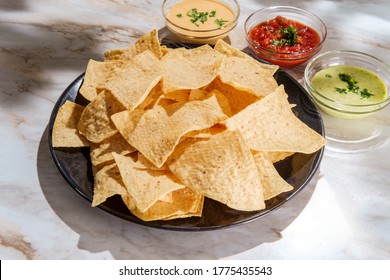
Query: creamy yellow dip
(200, 18)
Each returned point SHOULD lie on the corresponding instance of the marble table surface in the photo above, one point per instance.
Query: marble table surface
(343, 213)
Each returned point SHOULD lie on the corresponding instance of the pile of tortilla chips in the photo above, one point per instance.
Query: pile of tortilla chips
(168, 127)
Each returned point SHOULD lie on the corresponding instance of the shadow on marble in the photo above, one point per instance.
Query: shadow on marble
(100, 231)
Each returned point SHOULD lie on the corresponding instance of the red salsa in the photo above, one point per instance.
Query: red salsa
(284, 35)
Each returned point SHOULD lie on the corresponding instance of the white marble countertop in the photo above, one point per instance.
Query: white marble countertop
(344, 213)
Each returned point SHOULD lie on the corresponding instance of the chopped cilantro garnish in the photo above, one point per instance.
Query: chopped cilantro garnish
(289, 37)
(365, 94)
(220, 22)
(196, 17)
(179, 15)
(352, 86)
(329, 76)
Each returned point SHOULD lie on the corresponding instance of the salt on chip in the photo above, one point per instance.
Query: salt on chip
(185, 203)
(65, 133)
(134, 81)
(95, 121)
(221, 168)
(273, 184)
(157, 131)
(270, 125)
(189, 68)
(145, 186)
(102, 152)
(107, 183)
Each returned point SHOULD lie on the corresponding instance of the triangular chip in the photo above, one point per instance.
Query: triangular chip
(102, 152)
(228, 50)
(65, 133)
(95, 122)
(237, 99)
(107, 183)
(247, 75)
(270, 125)
(273, 184)
(221, 168)
(189, 68)
(95, 78)
(156, 132)
(148, 41)
(145, 186)
(133, 81)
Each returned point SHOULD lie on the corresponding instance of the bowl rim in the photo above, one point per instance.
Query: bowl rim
(269, 52)
(228, 26)
(314, 92)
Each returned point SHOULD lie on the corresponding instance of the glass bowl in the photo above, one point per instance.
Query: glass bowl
(203, 36)
(284, 59)
(347, 110)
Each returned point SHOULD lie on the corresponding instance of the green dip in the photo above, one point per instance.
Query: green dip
(349, 85)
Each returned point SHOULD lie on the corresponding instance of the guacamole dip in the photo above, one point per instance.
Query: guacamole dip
(349, 85)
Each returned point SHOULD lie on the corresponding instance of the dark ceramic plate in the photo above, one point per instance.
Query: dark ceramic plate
(298, 169)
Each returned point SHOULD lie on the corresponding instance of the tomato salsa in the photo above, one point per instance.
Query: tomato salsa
(287, 37)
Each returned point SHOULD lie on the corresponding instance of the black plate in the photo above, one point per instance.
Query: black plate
(298, 169)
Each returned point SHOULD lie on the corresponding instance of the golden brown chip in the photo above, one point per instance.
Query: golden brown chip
(148, 41)
(221, 168)
(107, 183)
(133, 82)
(95, 78)
(228, 50)
(145, 186)
(189, 68)
(185, 203)
(65, 133)
(95, 122)
(247, 75)
(270, 125)
(237, 99)
(273, 184)
(278, 156)
(156, 132)
(102, 152)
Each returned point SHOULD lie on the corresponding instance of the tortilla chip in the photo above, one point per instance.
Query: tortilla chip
(133, 82)
(185, 203)
(270, 125)
(189, 68)
(230, 51)
(95, 78)
(148, 41)
(237, 99)
(102, 152)
(221, 168)
(247, 75)
(107, 183)
(273, 184)
(145, 186)
(156, 132)
(65, 133)
(95, 122)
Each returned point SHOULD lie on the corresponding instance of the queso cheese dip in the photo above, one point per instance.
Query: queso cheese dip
(200, 19)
